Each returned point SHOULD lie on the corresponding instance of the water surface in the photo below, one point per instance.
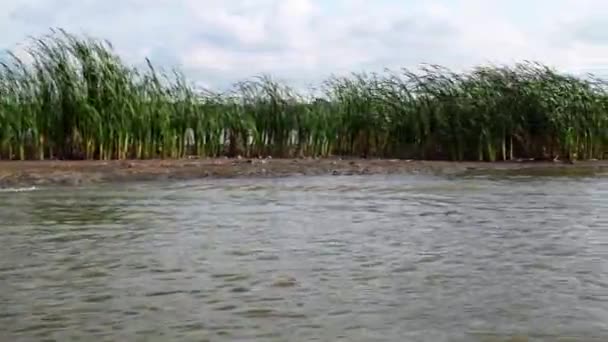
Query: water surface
(374, 258)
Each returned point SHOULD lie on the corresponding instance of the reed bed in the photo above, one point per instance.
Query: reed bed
(72, 97)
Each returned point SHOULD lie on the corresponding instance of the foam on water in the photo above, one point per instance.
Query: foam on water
(31, 188)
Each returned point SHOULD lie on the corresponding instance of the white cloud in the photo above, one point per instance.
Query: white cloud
(218, 41)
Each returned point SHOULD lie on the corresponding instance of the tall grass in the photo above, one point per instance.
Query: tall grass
(73, 98)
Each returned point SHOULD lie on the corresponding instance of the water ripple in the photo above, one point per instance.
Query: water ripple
(308, 258)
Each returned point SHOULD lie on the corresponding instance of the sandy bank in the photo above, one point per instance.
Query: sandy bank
(27, 173)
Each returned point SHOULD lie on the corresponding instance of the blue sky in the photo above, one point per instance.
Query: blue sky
(218, 42)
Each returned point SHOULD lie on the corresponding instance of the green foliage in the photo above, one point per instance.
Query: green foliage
(73, 98)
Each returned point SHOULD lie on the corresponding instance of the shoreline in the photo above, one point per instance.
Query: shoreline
(54, 172)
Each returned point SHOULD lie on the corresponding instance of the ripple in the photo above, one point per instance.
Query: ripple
(166, 270)
(372, 264)
(284, 281)
(192, 326)
(405, 269)
(257, 313)
(231, 277)
(271, 299)
(269, 313)
(430, 259)
(240, 289)
(539, 266)
(306, 258)
(41, 327)
(241, 252)
(98, 298)
(268, 257)
(163, 293)
(594, 297)
(227, 307)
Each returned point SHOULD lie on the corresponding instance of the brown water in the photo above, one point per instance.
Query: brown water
(375, 258)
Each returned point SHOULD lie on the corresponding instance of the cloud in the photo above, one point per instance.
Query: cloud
(217, 42)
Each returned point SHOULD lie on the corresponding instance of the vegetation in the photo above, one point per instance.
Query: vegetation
(73, 98)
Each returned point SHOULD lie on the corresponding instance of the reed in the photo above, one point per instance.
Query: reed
(73, 98)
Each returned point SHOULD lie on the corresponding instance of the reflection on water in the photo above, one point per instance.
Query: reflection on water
(398, 258)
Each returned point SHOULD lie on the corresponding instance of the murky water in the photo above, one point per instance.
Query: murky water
(400, 258)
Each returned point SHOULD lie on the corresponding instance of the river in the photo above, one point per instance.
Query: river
(359, 258)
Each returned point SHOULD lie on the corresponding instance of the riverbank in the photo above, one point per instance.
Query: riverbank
(31, 173)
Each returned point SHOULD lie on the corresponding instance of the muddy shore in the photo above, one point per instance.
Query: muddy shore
(32, 173)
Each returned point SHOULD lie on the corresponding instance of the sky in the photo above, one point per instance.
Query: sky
(219, 42)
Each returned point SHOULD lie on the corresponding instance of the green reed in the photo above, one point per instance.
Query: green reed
(73, 98)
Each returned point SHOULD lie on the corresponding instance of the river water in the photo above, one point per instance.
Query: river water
(374, 258)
